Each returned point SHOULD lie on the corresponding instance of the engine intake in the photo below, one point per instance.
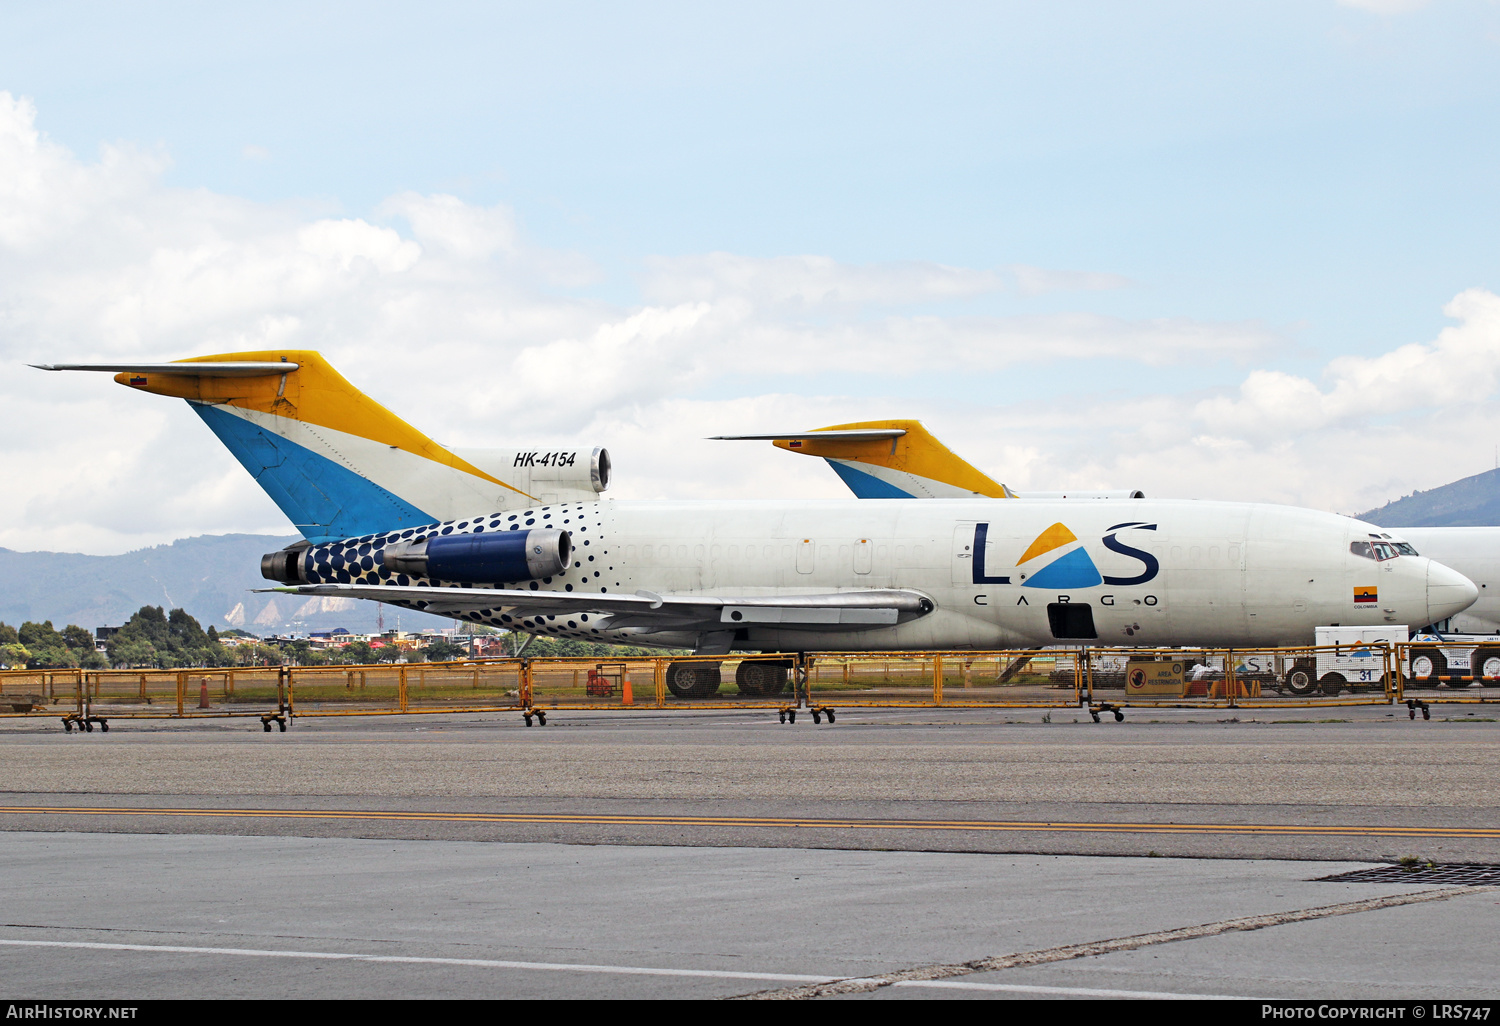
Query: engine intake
(483, 558)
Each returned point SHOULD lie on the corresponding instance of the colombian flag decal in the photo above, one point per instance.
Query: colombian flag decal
(1362, 595)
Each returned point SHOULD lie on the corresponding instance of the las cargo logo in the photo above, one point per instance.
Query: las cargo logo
(1364, 595)
(1056, 560)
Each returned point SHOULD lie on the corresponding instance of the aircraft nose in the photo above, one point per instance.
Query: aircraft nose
(1448, 592)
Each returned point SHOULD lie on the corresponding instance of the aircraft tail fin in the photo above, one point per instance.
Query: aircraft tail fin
(889, 459)
(335, 461)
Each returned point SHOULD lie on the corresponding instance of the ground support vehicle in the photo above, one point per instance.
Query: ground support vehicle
(1456, 661)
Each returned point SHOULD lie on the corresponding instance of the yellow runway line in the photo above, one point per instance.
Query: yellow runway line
(752, 822)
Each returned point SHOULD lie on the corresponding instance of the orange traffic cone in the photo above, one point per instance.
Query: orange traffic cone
(626, 697)
(203, 693)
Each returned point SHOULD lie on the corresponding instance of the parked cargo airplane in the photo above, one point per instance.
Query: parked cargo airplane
(902, 459)
(773, 575)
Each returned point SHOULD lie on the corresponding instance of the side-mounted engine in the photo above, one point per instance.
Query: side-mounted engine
(482, 558)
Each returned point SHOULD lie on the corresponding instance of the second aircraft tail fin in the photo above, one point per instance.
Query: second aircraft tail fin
(889, 459)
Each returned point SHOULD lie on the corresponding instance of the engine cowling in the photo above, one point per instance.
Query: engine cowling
(480, 558)
(483, 558)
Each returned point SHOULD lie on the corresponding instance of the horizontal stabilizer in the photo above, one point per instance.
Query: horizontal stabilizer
(196, 369)
(862, 435)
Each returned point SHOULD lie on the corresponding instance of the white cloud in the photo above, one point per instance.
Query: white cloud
(817, 281)
(255, 153)
(454, 319)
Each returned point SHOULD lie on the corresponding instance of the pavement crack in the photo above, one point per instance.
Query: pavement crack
(1067, 952)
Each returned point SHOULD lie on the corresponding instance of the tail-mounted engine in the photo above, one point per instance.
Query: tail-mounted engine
(487, 558)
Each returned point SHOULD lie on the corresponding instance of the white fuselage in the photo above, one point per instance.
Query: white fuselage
(1473, 552)
(1149, 572)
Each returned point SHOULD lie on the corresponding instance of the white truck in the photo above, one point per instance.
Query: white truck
(1456, 660)
(1345, 660)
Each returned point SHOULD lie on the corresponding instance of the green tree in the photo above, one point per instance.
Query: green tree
(151, 637)
(13, 653)
(8, 635)
(443, 650)
(357, 652)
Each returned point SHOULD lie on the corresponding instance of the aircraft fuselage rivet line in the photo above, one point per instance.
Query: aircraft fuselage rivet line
(929, 974)
(1269, 829)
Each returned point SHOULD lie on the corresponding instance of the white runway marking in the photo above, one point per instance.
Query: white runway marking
(1021, 988)
(475, 963)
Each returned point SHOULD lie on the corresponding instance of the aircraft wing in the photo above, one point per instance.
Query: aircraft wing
(850, 610)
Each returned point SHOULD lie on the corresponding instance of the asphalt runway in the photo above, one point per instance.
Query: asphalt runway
(724, 854)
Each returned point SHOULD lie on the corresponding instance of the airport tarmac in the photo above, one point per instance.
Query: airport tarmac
(724, 854)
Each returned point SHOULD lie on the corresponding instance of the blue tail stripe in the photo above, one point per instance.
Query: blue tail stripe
(867, 486)
(324, 500)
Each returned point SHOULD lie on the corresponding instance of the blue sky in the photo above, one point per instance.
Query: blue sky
(1287, 182)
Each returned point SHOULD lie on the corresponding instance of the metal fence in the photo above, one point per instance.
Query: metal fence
(492, 685)
(1440, 673)
(1027, 679)
(1104, 680)
(85, 698)
(1241, 678)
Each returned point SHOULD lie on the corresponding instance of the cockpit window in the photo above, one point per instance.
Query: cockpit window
(1379, 550)
(1405, 548)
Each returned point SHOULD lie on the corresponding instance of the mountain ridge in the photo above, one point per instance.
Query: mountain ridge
(1469, 502)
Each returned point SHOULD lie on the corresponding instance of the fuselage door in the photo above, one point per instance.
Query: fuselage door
(963, 555)
(864, 556)
(805, 556)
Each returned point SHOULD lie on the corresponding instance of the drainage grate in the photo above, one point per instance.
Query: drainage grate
(1471, 874)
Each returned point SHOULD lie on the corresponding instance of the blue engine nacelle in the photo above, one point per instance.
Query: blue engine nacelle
(480, 558)
(483, 558)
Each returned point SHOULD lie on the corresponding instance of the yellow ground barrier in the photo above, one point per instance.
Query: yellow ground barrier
(1251, 678)
(1103, 679)
(1032, 678)
(88, 697)
(1439, 673)
(397, 688)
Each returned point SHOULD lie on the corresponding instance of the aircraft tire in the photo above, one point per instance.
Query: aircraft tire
(693, 680)
(1333, 683)
(759, 679)
(1486, 663)
(1301, 679)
